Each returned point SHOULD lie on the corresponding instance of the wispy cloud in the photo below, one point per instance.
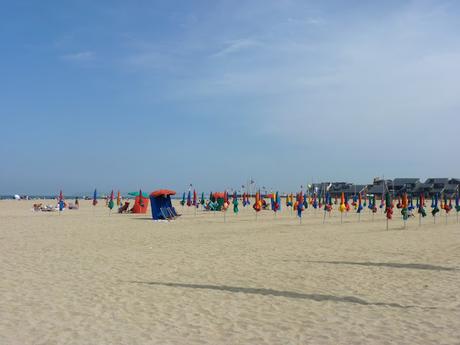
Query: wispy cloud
(79, 56)
(236, 46)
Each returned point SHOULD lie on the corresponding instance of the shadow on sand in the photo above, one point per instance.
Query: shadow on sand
(385, 264)
(278, 293)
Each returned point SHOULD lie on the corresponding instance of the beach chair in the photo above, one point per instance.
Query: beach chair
(72, 206)
(165, 213)
(171, 214)
(124, 208)
(174, 212)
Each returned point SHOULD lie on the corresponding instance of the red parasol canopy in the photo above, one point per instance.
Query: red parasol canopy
(161, 192)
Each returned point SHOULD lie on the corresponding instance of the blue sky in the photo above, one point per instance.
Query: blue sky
(129, 94)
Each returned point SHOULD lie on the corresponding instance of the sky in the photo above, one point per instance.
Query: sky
(163, 94)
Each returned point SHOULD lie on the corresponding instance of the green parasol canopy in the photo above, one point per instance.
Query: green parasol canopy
(144, 195)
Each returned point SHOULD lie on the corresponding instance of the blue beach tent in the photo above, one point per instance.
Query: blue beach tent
(160, 201)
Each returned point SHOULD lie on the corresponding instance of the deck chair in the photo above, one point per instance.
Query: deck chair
(171, 214)
(174, 212)
(165, 213)
(124, 208)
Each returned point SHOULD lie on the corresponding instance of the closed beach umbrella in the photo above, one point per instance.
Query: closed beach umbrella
(118, 198)
(435, 205)
(95, 197)
(258, 203)
(328, 202)
(342, 207)
(360, 206)
(300, 204)
(411, 203)
(404, 206)
(182, 202)
(388, 206)
(305, 201)
(194, 198)
(111, 201)
(421, 205)
(235, 203)
(61, 201)
(457, 201)
(189, 198)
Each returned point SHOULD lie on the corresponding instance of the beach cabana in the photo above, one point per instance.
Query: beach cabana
(219, 198)
(141, 202)
(161, 204)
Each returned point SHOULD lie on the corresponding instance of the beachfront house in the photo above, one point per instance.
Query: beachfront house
(451, 188)
(378, 186)
(437, 184)
(404, 185)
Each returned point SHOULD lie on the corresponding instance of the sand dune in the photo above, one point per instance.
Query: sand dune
(84, 277)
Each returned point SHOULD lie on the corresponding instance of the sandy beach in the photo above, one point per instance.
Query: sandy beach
(84, 277)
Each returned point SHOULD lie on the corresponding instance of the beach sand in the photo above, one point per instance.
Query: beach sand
(84, 277)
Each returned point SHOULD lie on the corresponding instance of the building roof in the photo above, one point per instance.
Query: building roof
(437, 180)
(402, 181)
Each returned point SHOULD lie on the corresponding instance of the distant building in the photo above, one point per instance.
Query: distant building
(404, 185)
(337, 188)
(452, 187)
(437, 184)
(396, 187)
(378, 187)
